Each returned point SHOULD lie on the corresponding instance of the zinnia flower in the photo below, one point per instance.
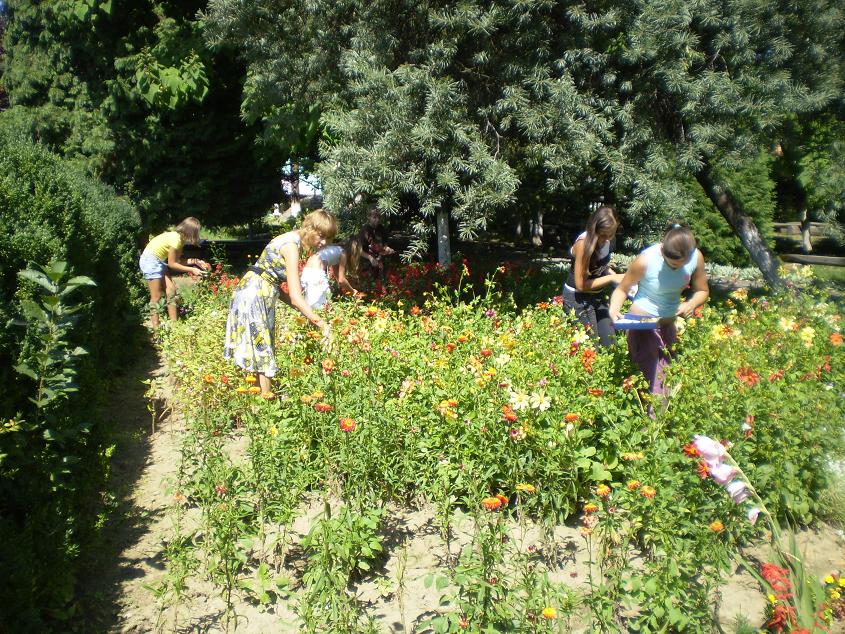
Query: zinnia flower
(254, 390)
(491, 504)
(328, 366)
(208, 378)
(323, 407)
(590, 507)
(717, 526)
(347, 425)
(251, 379)
(836, 339)
(602, 490)
(502, 498)
(571, 417)
(633, 485)
(648, 491)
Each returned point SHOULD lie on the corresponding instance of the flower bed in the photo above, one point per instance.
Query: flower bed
(463, 403)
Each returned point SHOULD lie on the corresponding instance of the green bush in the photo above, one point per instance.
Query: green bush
(50, 211)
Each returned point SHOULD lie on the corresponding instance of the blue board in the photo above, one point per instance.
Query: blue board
(630, 321)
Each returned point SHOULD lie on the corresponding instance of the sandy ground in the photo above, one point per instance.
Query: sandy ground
(132, 561)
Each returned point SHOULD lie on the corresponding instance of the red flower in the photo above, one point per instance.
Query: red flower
(416, 310)
(347, 425)
(323, 407)
(502, 498)
(774, 376)
(224, 379)
(703, 470)
(691, 450)
(748, 376)
(450, 347)
(588, 357)
(486, 352)
(595, 391)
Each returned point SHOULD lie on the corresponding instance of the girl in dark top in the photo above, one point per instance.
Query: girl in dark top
(584, 292)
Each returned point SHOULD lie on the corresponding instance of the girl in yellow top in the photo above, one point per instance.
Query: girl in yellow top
(162, 256)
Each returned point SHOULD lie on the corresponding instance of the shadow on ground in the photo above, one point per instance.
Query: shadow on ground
(107, 567)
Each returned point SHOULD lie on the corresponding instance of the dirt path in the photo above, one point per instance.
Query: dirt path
(131, 562)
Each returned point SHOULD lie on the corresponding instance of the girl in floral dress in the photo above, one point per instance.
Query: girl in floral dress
(250, 329)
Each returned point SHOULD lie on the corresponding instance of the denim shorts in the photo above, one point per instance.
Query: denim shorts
(152, 267)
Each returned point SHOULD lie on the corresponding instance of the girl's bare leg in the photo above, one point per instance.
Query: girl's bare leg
(156, 291)
(265, 383)
(172, 309)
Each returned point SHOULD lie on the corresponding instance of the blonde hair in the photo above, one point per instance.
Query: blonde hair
(353, 257)
(678, 243)
(316, 225)
(189, 229)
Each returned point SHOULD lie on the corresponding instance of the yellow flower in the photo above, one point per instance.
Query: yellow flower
(807, 333)
(525, 487)
(835, 595)
(772, 599)
(549, 613)
(317, 395)
(273, 431)
(828, 579)
(842, 582)
(251, 379)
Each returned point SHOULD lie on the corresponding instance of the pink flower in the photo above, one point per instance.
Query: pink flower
(710, 450)
(722, 473)
(738, 491)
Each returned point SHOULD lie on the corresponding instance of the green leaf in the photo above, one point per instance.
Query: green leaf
(39, 278)
(24, 369)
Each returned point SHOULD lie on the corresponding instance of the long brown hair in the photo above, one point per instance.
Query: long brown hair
(602, 220)
(353, 255)
(678, 243)
(189, 229)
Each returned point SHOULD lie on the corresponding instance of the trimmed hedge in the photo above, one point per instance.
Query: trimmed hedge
(50, 210)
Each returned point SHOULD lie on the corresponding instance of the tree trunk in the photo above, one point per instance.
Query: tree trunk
(741, 223)
(444, 254)
(537, 228)
(295, 199)
(806, 245)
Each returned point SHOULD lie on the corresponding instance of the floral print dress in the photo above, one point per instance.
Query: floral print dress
(251, 326)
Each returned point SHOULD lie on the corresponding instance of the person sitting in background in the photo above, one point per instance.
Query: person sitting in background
(373, 238)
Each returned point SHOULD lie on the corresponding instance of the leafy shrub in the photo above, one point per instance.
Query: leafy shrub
(49, 211)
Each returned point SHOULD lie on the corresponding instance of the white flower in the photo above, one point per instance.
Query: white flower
(502, 359)
(807, 333)
(786, 324)
(540, 401)
(580, 337)
(519, 400)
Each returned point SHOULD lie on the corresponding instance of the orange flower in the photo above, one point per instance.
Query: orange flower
(224, 379)
(629, 383)
(323, 407)
(491, 504)
(586, 531)
(486, 352)
(328, 365)
(416, 310)
(590, 507)
(306, 398)
(633, 485)
(251, 379)
(549, 613)
(703, 470)
(462, 338)
(254, 390)
(450, 347)
(502, 498)
(208, 378)
(571, 417)
(717, 526)
(508, 414)
(347, 425)
(595, 391)
(268, 396)
(602, 490)
(372, 311)
(748, 376)
(648, 491)
(836, 339)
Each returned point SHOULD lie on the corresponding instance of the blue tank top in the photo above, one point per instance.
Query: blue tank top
(659, 292)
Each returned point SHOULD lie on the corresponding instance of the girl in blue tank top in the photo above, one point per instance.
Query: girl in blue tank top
(662, 272)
